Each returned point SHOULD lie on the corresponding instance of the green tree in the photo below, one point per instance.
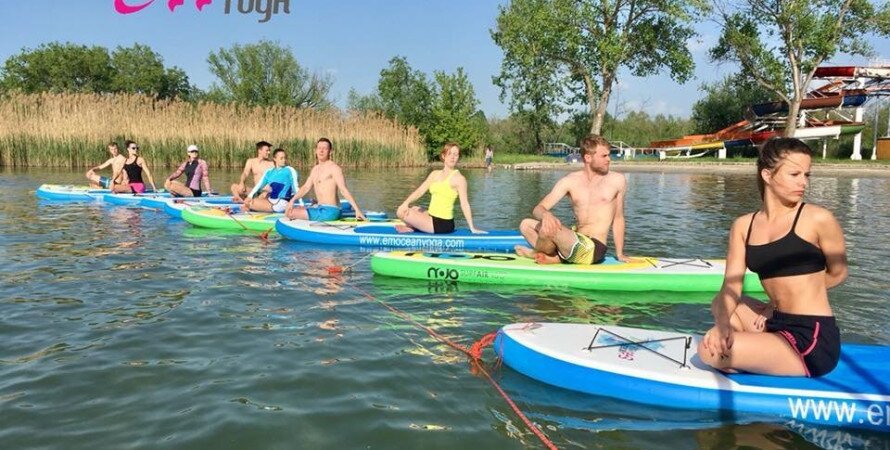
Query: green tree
(406, 94)
(585, 43)
(266, 73)
(780, 43)
(533, 94)
(57, 67)
(358, 102)
(139, 70)
(725, 102)
(454, 114)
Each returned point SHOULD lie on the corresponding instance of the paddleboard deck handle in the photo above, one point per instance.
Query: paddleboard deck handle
(687, 343)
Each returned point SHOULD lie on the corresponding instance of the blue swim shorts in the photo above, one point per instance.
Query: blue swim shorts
(323, 213)
(105, 182)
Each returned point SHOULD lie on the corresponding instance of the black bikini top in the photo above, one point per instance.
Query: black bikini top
(789, 255)
(134, 172)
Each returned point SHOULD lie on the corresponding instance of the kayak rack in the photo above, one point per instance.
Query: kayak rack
(687, 343)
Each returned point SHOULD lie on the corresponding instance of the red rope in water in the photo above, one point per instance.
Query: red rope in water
(475, 355)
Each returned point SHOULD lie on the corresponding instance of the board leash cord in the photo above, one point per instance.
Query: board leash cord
(474, 352)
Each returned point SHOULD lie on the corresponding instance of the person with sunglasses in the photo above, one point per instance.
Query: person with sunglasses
(133, 169)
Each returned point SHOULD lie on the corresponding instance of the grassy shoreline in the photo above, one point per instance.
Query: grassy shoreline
(71, 130)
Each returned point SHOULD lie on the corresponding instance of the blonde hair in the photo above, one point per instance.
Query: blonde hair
(590, 143)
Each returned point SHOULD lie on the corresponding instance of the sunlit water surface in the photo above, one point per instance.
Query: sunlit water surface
(124, 328)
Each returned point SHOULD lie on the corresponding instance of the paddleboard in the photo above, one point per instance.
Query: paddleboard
(662, 368)
(643, 274)
(231, 218)
(65, 192)
(158, 201)
(131, 199)
(384, 235)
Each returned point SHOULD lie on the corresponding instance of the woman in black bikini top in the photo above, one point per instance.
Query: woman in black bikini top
(134, 167)
(799, 253)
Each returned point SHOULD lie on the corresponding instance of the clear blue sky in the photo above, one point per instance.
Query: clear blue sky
(350, 39)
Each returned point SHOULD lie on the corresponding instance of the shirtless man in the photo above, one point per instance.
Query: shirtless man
(117, 164)
(326, 179)
(256, 166)
(597, 197)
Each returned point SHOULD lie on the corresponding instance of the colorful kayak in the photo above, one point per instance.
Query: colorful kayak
(643, 274)
(662, 368)
(384, 235)
(64, 192)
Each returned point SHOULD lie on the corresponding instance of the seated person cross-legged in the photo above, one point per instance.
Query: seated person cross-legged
(798, 251)
(597, 197)
(445, 186)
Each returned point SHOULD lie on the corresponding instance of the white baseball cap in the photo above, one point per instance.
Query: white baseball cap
(192, 148)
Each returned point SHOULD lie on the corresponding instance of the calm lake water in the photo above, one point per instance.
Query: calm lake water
(124, 328)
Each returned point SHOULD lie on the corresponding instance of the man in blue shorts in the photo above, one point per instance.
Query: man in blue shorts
(117, 164)
(326, 179)
(276, 188)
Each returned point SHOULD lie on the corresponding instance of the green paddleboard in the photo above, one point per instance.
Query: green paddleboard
(642, 274)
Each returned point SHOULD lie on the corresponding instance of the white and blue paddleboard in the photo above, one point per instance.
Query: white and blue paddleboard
(60, 192)
(125, 199)
(160, 201)
(384, 235)
(662, 368)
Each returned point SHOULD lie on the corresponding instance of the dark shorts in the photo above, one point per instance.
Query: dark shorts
(586, 250)
(196, 192)
(815, 338)
(442, 226)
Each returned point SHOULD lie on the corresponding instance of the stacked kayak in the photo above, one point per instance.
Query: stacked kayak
(642, 274)
(385, 235)
(662, 368)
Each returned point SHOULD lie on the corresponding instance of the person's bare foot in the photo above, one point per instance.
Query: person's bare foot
(542, 258)
(524, 251)
(404, 229)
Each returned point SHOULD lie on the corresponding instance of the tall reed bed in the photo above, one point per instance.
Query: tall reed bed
(71, 130)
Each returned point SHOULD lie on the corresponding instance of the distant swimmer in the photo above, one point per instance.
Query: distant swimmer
(254, 166)
(597, 197)
(134, 167)
(196, 173)
(445, 186)
(326, 179)
(117, 165)
(276, 187)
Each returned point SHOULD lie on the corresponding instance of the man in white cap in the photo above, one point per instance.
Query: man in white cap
(196, 174)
